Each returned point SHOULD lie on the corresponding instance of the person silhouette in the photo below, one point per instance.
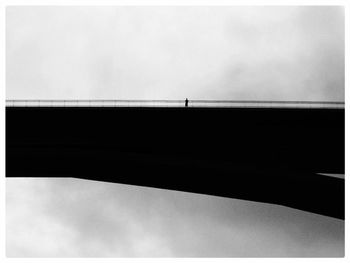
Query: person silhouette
(186, 102)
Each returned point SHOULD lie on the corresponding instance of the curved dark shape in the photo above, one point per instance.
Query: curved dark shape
(265, 155)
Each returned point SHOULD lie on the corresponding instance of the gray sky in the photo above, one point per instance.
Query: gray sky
(272, 53)
(80, 218)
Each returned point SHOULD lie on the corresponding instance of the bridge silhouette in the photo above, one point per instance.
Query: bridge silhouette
(265, 151)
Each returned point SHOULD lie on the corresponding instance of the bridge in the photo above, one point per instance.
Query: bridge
(265, 151)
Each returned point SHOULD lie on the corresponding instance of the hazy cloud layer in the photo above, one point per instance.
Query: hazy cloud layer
(282, 53)
(80, 218)
(279, 53)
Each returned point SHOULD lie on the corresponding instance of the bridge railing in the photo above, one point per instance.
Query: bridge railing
(176, 103)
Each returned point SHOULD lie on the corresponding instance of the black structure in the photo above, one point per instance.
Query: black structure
(270, 155)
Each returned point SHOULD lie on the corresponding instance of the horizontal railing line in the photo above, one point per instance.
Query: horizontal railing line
(177, 103)
(180, 101)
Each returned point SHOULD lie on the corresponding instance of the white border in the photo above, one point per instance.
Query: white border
(5, 3)
(173, 2)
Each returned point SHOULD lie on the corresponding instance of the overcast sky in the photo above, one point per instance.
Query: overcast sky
(263, 53)
(227, 53)
(80, 218)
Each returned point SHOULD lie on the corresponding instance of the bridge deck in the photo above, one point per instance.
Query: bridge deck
(261, 154)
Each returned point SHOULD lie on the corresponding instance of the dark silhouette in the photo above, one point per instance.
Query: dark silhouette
(269, 155)
(186, 102)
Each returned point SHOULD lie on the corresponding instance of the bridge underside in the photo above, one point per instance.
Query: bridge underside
(267, 155)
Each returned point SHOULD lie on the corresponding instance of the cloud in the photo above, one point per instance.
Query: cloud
(282, 53)
(63, 217)
(279, 53)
